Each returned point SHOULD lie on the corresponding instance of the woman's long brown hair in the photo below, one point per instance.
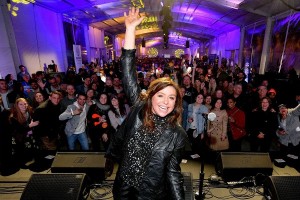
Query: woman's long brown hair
(16, 113)
(155, 86)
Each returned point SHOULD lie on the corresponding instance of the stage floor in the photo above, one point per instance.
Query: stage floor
(13, 185)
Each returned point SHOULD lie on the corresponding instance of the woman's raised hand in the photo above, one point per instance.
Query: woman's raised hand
(132, 19)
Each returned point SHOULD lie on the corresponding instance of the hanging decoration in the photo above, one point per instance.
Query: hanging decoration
(165, 13)
(179, 53)
(13, 8)
(152, 52)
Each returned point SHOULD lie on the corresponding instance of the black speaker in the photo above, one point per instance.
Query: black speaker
(233, 166)
(282, 188)
(143, 43)
(55, 186)
(90, 163)
(187, 44)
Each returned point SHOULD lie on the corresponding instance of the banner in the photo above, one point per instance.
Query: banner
(77, 56)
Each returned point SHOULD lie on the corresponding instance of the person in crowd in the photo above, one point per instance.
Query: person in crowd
(263, 125)
(118, 111)
(99, 124)
(236, 129)
(190, 91)
(185, 108)
(17, 92)
(26, 85)
(217, 129)
(38, 99)
(48, 130)
(90, 97)
(207, 102)
(212, 86)
(35, 89)
(118, 87)
(272, 95)
(196, 124)
(4, 92)
(83, 88)
(96, 89)
(76, 125)
(22, 136)
(9, 79)
(255, 102)
(241, 76)
(238, 96)
(7, 162)
(69, 99)
(23, 71)
(200, 87)
(108, 87)
(51, 86)
(149, 145)
(288, 131)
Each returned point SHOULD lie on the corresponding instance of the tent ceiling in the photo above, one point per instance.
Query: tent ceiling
(197, 20)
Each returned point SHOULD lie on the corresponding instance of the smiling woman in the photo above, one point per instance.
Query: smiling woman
(150, 143)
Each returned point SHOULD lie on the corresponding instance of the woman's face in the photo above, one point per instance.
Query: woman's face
(115, 102)
(265, 104)
(218, 104)
(230, 103)
(199, 99)
(90, 93)
(219, 94)
(39, 97)
(163, 102)
(103, 99)
(94, 86)
(197, 83)
(22, 105)
(208, 100)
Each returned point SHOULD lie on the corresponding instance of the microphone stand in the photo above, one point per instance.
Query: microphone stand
(201, 175)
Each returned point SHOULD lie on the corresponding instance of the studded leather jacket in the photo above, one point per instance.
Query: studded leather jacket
(162, 178)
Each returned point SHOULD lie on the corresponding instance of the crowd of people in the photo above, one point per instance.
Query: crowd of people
(46, 112)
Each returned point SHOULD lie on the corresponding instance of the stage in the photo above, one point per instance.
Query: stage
(12, 186)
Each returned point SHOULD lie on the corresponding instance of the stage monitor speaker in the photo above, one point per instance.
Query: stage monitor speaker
(187, 44)
(90, 163)
(233, 166)
(282, 188)
(55, 186)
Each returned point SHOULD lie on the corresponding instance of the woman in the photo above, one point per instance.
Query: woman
(196, 123)
(217, 129)
(98, 123)
(207, 102)
(37, 100)
(22, 138)
(90, 97)
(118, 111)
(149, 144)
(236, 129)
(9, 79)
(263, 126)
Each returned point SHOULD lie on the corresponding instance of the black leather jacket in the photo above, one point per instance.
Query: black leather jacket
(162, 178)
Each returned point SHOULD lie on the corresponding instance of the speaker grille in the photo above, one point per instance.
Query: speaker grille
(54, 186)
(282, 187)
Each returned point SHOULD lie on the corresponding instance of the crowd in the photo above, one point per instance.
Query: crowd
(45, 112)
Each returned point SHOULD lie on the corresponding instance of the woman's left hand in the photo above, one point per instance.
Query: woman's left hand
(133, 19)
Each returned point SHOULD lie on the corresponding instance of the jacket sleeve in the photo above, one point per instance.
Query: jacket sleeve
(67, 114)
(129, 76)
(174, 176)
